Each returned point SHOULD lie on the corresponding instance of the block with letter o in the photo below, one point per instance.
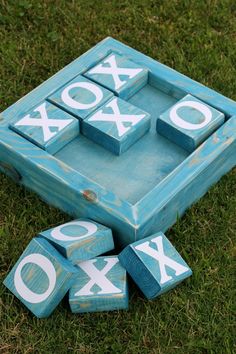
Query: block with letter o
(189, 122)
(80, 97)
(41, 277)
(80, 239)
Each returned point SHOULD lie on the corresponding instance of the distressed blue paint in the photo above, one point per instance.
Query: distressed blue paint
(187, 137)
(37, 281)
(81, 95)
(99, 298)
(95, 162)
(80, 239)
(35, 133)
(132, 204)
(107, 134)
(154, 265)
(127, 86)
(188, 182)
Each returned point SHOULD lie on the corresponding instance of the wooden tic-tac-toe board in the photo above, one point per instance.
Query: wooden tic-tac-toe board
(119, 138)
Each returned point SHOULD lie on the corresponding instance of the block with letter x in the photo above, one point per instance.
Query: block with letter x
(47, 126)
(189, 122)
(119, 74)
(154, 264)
(41, 277)
(100, 285)
(80, 239)
(117, 125)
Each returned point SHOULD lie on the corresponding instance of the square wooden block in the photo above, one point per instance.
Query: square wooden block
(189, 122)
(119, 74)
(154, 264)
(117, 125)
(40, 278)
(80, 97)
(101, 285)
(47, 126)
(80, 239)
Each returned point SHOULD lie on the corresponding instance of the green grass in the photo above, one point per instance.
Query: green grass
(197, 38)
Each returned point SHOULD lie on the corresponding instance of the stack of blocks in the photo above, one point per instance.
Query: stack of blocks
(65, 259)
(94, 104)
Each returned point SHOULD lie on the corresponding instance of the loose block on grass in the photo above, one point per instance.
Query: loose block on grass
(41, 277)
(189, 122)
(154, 264)
(47, 126)
(80, 240)
(101, 285)
(80, 97)
(117, 125)
(120, 75)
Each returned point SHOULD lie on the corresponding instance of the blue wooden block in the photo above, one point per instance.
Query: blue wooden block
(154, 264)
(80, 97)
(47, 126)
(80, 239)
(101, 285)
(41, 277)
(119, 74)
(117, 125)
(189, 122)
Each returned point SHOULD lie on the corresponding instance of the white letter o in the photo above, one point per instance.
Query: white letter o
(58, 234)
(66, 98)
(47, 266)
(176, 119)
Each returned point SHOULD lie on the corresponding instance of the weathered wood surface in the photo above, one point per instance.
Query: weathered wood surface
(80, 97)
(47, 126)
(41, 277)
(101, 285)
(189, 122)
(167, 185)
(80, 239)
(154, 265)
(117, 125)
(120, 75)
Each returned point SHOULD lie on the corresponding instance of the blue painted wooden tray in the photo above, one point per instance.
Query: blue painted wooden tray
(141, 191)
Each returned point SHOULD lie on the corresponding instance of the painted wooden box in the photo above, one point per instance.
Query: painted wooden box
(145, 188)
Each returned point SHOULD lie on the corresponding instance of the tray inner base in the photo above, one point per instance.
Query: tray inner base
(133, 174)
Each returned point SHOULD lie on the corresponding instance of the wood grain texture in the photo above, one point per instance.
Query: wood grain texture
(101, 285)
(40, 278)
(154, 265)
(47, 126)
(80, 97)
(120, 75)
(189, 122)
(147, 205)
(80, 239)
(116, 126)
(188, 182)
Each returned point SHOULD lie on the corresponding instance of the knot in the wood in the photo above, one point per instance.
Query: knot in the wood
(89, 195)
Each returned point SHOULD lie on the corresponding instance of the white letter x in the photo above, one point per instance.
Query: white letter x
(161, 258)
(44, 122)
(98, 277)
(115, 71)
(117, 117)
